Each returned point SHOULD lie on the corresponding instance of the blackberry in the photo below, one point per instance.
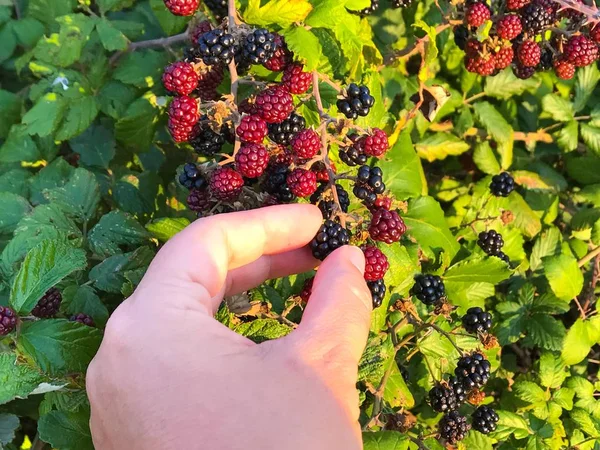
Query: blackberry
(8, 320)
(306, 143)
(374, 144)
(461, 35)
(281, 57)
(259, 46)
(502, 184)
(182, 7)
(377, 289)
(330, 236)
(216, 47)
(226, 184)
(48, 305)
(296, 79)
(183, 115)
(476, 320)
(483, 65)
(369, 9)
(252, 129)
(251, 160)
(206, 141)
(302, 182)
(191, 178)
(485, 420)
(504, 57)
(509, 27)
(274, 104)
(369, 183)
(529, 53)
(357, 101)
(535, 18)
(353, 156)
(477, 13)
(429, 289)
(458, 388)
(442, 398)
(386, 226)
(473, 370)
(515, 5)
(242, 63)
(503, 256)
(546, 60)
(209, 80)
(401, 3)
(180, 78)
(83, 319)
(523, 72)
(283, 132)
(199, 201)
(376, 263)
(564, 69)
(453, 427)
(326, 203)
(491, 242)
(196, 29)
(580, 51)
(275, 183)
(217, 7)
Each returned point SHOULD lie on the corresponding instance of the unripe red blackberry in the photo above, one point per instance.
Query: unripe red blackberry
(453, 427)
(48, 305)
(296, 80)
(595, 33)
(514, 5)
(381, 202)
(199, 200)
(504, 57)
(252, 129)
(477, 13)
(509, 27)
(429, 289)
(182, 7)
(8, 320)
(485, 420)
(83, 319)
(252, 160)
(377, 289)
(197, 29)
(376, 263)
(180, 78)
(442, 398)
(306, 143)
(529, 53)
(302, 182)
(209, 80)
(476, 320)
(281, 57)
(484, 65)
(330, 237)
(473, 370)
(386, 226)
(216, 47)
(580, 51)
(564, 69)
(226, 184)
(374, 144)
(357, 101)
(179, 132)
(320, 170)
(274, 104)
(183, 115)
(307, 289)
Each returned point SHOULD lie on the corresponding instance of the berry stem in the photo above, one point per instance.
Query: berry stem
(445, 334)
(231, 16)
(587, 258)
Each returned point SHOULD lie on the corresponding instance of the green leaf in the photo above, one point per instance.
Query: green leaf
(170, 23)
(167, 227)
(404, 175)
(564, 276)
(511, 424)
(385, 440)
(261, 330)
(28, 31)
(280, 12)
(564, 398)
(85, 300)
(584, 169)
(441, 145)
(530, 392)
(46, 218)
(14, 207)
(10, 112)
(8, 425)
(587, 79)
(115, 97)
(397, 393)
(109, 275)
(585, 422)
(506, 85)
(19, 146)
(305, 46)
(9, 41)
(582, 335)
(136, 193)
(114, 230)
(545, 331)
(43, 119)
(498, 128)
(591, 136)
(111, 38)
(142, 68)
(552, 371)
(558, 108)
(431, 50)
(47, 11)
(485, 158)
(567, 136)
(137, 125)
(525, 219)
(66, 430)
(44, 266)
(96, 146)
(426, 223)
(484, 270)
(58, 346)
(114, 5)
(17, 380)
(81, 112)
(80, 197)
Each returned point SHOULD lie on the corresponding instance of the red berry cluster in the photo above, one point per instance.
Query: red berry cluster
(529, 35)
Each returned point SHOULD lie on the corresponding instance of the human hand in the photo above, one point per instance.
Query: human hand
(169, 376)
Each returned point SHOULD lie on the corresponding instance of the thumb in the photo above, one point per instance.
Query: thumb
(335, 324)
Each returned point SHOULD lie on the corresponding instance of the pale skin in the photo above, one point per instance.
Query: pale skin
(169, 376)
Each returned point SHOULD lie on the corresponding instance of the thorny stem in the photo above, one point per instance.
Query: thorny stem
(160, 42)
(592, 14)
(444, 333)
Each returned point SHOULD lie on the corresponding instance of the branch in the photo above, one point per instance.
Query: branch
(160, 42)
(587, 258)
(592, 14)
(233, 73)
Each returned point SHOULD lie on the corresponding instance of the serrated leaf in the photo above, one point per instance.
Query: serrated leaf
(558, 108)
(170, 23)
(109, 275)
(115, 97)
(545, 331)
(261, 330)
(584, 169)
(397, 393)
(305, 45)
(498, 128)
(506, 85)
(137, 125)
(281, 12)
(582, 335)
(44, 266)
(485, 270)
(66, 430)
(19, 146)
(525, 219)
(79, 198)
(43, 119)
(8, 425)
(17, 380)
(385, 440)
(441, 145)
(167, 227)
(404, 175)
(587, 79)
(564, 276)
(511, 424)
(14, 207)
(552, 371)
(136, 193)
(96, 146)
(585, 422)
(568, 136)
(85, 300)
(81, 112)
(591, 137)
(114, 230)
(564, 398)
(10, 112)
(485, 158)
(47, 218)
(530, 392)
(142, 69)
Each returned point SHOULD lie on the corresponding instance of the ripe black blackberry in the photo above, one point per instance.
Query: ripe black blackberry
(283, 132)
(473, 370)
(191, 178)
(217, 7)
(442, 398)
(458, 388)
(48, 305)
(377, 289)
(428, 288)
(485, 420)
(369, 9)
(259, 46)
(502, 184)
(461, 35)
(546, 60)
(206, 141)
(453, 427)
(216, 47)
(491, 242)
(330, 236)
(369, 183)
(326, 203)
(276, 183)
(535, 18)
(83, 319)
(352, 156)
(401, 3)
(357, 101)
(476, 320)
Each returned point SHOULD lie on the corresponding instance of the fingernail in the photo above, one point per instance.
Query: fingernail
(356, 257)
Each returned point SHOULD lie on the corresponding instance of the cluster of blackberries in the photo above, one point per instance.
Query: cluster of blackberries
(374, 6)
(502, 184)
(429, 289)
(476, 321)
(356, 101)
(491, 243)
(513, 40)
